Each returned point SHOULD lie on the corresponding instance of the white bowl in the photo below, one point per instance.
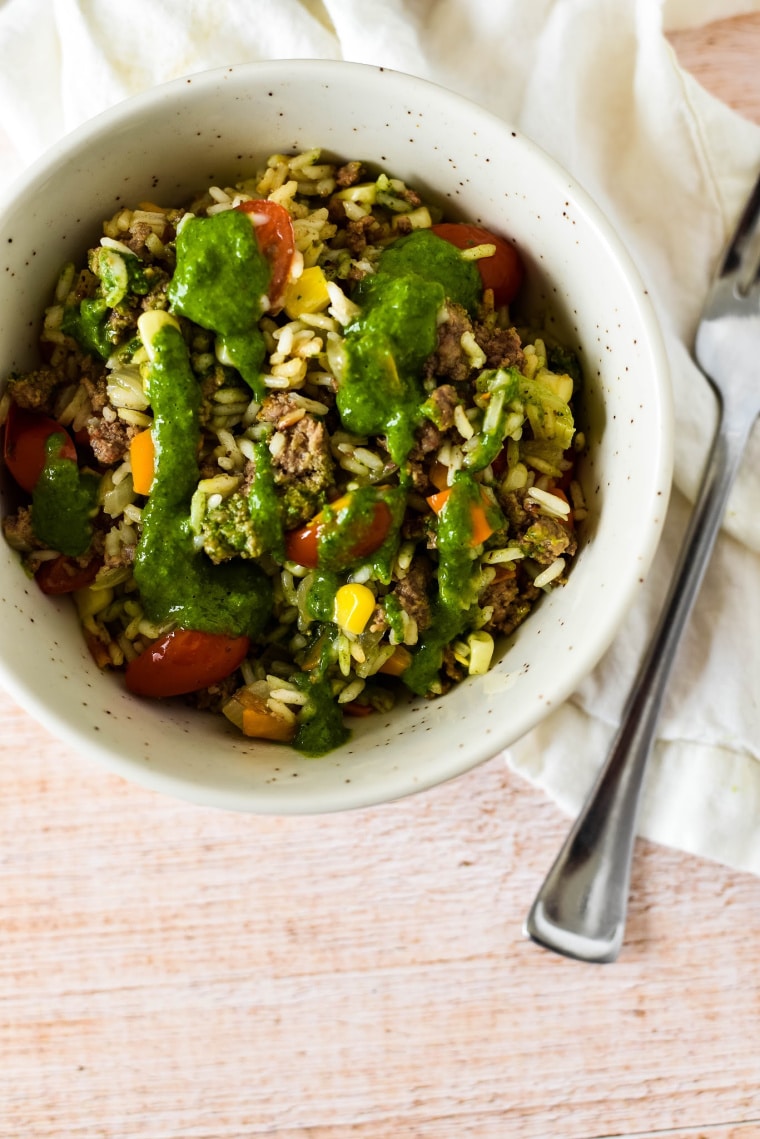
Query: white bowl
(214, 128)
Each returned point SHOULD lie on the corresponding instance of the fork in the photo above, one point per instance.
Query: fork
(581, 907)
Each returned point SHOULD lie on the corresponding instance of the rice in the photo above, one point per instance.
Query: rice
(307, 362)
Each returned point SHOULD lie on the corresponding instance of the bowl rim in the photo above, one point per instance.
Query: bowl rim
(587, 656)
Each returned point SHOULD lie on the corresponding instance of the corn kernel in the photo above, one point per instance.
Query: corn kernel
(481, 651)
(308, 293)
(354, 605)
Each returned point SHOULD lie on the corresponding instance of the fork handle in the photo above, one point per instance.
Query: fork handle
(580, 910)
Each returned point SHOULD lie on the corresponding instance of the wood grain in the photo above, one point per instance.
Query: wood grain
(169, 972)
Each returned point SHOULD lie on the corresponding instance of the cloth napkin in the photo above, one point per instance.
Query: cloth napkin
(597, 85)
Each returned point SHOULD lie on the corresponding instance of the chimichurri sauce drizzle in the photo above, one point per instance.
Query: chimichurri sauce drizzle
(381, 393)
(320, 726)
(386, 346)
(220, 279)
(178, 583)
(264, 503)
(63, 502)
(457, 579)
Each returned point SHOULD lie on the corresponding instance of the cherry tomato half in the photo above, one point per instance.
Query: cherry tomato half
(63, 575)
(184, 661)
(26, 433)
(302, 546)
(503, 272)
(274, 233)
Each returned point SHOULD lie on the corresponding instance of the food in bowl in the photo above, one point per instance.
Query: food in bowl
(288, 451)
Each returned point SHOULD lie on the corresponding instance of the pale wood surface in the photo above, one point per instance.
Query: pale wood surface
(173, 973)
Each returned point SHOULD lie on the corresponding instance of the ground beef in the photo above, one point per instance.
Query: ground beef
(109, 439)
(18, 531)
(414, 526)
(403, 225)
(307, 451)
(362, 232)
(444, 399)
(349, 174)
(512, 595)
(336, 211)
(276, 406)
(156, 297)
(139, 232)
(304, 467)
(547, 539)
(122, 321)
(93, 377)
(411, 196)
(411, 593)
(452, 669)
(519, 510)
(449, 360)
(36, 391)
(501, 593)
(428, 440)
(501, 346)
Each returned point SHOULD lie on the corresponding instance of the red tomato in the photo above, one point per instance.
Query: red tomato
(302, 546)
(184, 661)
(354, 708)
(274, 233)
(503, 272)
(26, 433)
(63, 575)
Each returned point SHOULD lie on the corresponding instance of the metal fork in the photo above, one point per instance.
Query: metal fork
(581, 908)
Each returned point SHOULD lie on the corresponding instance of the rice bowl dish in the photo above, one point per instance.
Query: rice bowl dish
(287, 451)
(165, 146)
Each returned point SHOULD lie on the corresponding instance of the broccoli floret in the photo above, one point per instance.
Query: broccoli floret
(299, 502)
(227, 530)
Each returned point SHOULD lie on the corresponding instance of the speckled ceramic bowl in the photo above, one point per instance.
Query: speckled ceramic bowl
(214, 128)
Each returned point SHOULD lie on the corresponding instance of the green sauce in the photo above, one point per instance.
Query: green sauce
(178, 583)
(424, 254)
(264, 504)
(320, 600)
(346, 525)
(220, 279)
(427, 660)
(87, 324)
(456, 580)
(63, 502)
(503, 385)
(393, 617)
(321, 726)
(386, 346)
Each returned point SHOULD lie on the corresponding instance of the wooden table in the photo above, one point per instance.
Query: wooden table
(175, 973)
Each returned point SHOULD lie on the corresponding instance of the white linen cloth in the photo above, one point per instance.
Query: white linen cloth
(597, 85)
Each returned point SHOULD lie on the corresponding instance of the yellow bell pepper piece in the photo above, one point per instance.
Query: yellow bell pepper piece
(308, 293)
(354, 605)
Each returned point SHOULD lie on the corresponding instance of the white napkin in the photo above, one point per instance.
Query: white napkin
(596, 84)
